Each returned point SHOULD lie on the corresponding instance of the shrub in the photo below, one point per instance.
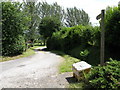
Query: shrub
(84, 54)
(69, 38)
(112, 28)
(48, 25)
(105, 77)
(13, 46)
(13, 25)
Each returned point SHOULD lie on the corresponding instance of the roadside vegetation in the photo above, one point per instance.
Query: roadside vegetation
(24, 54)
(66, 66)
(27, 53)
(68, 33)
(83, 42)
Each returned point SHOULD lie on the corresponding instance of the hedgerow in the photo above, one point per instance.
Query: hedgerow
(70, 37)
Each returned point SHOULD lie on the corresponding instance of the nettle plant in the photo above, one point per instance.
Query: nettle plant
(106, 77)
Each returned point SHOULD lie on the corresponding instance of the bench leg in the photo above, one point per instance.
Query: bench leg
(74, 75)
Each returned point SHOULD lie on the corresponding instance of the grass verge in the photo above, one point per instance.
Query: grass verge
(79, 85)
(66, 65)
(27, 53)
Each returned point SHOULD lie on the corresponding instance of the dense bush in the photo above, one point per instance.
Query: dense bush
(13, 46)
(112, 28)
(48, 25)
(69, 38)
(105, 77)
(13, 25)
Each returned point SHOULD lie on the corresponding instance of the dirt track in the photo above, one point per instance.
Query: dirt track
(36, 71)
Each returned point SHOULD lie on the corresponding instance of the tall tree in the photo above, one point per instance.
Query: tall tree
(112, 28)
(50, 10)
(13, 26)
(48, 25)
(76, 16)
(31, 12)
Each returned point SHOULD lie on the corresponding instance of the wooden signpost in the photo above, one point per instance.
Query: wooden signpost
(101, 16)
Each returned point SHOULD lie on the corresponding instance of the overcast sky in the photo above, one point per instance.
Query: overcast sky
(92, 7)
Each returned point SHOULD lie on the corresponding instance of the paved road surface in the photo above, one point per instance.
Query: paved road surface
(36, 71)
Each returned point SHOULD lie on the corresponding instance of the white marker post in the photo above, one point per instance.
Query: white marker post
(102, 36)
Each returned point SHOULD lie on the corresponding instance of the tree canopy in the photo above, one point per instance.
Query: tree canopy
(112, 27)
(31, 12)
(50, 10)
(13, 26)
(76, 16)
(48, 25)
(28, 20)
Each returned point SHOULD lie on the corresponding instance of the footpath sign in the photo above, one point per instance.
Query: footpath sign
(101, 16)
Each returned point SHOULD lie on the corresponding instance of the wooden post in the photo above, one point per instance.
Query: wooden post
(102, 51)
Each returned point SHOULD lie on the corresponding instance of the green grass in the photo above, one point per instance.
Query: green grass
(79, 85)
(27, 53)
(66, 65)
(35, 47)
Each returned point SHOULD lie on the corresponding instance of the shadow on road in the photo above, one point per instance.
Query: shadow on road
(44, 49)
(71, 80)
(40, 49)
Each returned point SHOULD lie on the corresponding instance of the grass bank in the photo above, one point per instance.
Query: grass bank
(66, 66)
(27, 53)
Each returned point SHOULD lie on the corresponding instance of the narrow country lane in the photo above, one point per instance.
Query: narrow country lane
(36, 71)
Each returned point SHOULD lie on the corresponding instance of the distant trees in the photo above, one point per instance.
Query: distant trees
(76, 16)
(71, 17)
(54, 10)
(30, 10)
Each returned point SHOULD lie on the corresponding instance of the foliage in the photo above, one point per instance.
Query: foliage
(48, 25)
(112, 28)
(27, 53)
(13, 25)
(13, 46)
(105, 77)
(50, 10)
(71, 17)
(69, 38)
(75, 40)
(76, 16)
(30, 10)
(84, 54)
